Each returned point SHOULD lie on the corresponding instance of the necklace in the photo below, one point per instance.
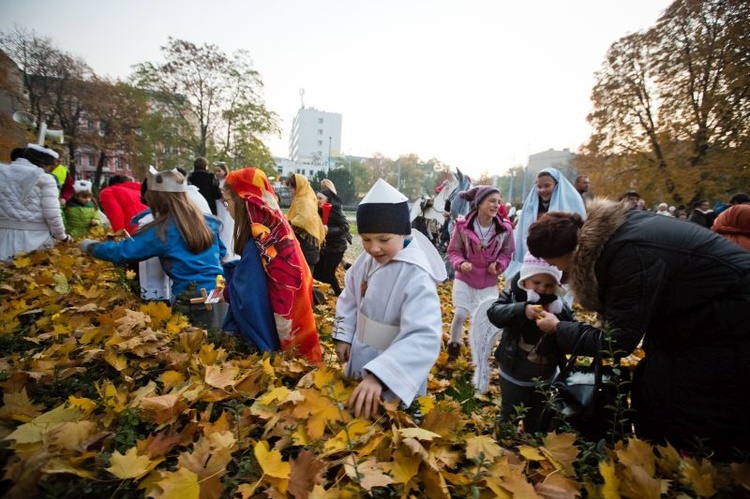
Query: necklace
(484, 235)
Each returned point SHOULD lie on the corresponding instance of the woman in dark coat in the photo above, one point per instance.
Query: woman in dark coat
(682, 289)
(337, 237)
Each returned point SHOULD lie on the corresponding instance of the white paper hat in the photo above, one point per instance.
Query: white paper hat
(166, 181)
(44, 150)
(383, 210)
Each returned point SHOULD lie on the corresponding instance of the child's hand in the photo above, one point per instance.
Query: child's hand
(465, 267)
(342, 351)
(94, 222)
(547, 322)
(366, 397)
(534, 312)
(492, 268)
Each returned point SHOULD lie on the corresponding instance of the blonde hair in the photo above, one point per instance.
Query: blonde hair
(188, 218)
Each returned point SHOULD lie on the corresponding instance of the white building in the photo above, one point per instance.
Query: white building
(286, 167)
(315, 137)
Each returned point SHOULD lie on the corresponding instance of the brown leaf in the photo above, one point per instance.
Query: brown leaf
(164, 408)
(307, 471)
(557, 486)
(559, 448)
(159, 444)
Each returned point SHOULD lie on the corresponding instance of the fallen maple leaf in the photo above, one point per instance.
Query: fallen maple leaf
(611, 487)
(699, 476)
(270, 461)
(559, 448)
(368, 474)
(181, 484)
(306, 472)
(130, 464)
(482, 447)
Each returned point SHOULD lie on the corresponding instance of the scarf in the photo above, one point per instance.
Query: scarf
(303, 212)
(565, 198)
(287, 274)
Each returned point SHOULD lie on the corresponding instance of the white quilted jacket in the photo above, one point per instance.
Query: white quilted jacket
(30, 215)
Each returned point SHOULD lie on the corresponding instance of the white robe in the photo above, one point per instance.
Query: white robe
(402, 293)
(227, 228)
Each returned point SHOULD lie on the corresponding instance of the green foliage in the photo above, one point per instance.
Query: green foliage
(214, 101)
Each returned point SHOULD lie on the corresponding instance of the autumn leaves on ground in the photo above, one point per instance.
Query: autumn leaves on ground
(105, 396)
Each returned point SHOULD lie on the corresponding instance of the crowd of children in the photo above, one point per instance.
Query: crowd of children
(389, 328)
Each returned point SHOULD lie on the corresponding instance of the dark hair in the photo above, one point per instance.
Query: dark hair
(630, 194)
(555, 234)
(200, 163)
(144, 189)
(291, 181)
(117, 179)
(221, 166)
(39, 158)
(181, 170)
(16, 153)
(581, 177)
(739, 198)
(546, 174)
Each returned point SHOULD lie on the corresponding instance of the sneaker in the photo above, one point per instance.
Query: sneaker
(453, 350)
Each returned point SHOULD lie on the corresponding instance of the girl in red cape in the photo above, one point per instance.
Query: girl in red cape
(287, 275)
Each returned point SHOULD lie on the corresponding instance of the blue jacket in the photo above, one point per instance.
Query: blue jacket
(182, 266)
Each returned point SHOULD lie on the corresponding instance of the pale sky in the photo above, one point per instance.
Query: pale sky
(479, 85)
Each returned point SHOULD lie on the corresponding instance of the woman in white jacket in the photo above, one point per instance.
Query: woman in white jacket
(30, 215)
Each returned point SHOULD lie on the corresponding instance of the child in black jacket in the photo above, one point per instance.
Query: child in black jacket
(528, 358)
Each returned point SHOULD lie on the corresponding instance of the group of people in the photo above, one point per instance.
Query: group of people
(677, 288)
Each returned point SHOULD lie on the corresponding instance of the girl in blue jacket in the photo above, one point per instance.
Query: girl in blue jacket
(185, 240)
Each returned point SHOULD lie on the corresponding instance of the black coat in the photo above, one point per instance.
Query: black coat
(688, 291)
(337, 237)
(509, 313)
(206, 183)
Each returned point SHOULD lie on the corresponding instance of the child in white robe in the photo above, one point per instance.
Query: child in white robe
(390, 330)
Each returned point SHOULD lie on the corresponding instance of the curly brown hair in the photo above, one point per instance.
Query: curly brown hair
(555, 234)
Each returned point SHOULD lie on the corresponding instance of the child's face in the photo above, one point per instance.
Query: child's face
(542, 284)
(84, 197)
(490, 205)
(382, 247)
(544, 186)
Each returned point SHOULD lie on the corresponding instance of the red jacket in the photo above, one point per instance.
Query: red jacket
(121, 202)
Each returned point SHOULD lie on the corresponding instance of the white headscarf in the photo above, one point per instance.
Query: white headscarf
(565, 198)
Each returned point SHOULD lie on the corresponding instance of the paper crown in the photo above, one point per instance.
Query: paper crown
(43, 150)
(383, 210)
(166, 181)
(82, 186)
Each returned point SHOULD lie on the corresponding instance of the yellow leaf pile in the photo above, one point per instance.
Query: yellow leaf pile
(103, 395)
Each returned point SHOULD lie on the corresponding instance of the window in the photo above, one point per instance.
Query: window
(320, 120)
(320, 131)
(320, 142)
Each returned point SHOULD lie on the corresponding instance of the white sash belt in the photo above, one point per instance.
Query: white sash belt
(375, 334)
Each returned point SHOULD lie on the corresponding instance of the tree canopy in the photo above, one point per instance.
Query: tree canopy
(213, 99)
(671, 106)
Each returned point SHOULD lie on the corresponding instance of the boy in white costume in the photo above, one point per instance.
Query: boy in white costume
(391, 327)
